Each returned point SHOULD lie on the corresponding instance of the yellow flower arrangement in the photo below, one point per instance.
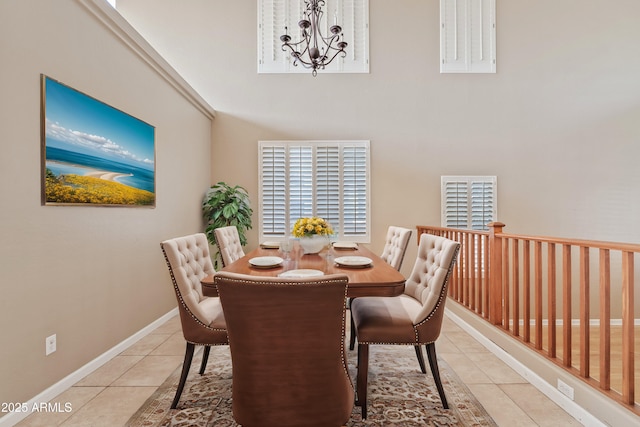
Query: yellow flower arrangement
(306, 227)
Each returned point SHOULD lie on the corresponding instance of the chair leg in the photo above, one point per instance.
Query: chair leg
(205, 358)
(361, 378)
(433, 363)
(420, 358)
(352, 337)
(188, 357)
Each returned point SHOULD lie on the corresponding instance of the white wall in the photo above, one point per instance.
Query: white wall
(557, 124)
(91, 275)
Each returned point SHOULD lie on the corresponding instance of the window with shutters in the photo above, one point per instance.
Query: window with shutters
(468, 201)
(329, 179)
(274, 15)
(467, 36)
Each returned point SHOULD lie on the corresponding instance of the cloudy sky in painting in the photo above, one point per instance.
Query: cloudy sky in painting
(79, 123)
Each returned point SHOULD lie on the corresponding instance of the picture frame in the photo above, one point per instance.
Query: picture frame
(92, 153)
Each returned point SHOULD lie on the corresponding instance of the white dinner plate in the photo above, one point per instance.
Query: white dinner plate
(270, 244)
(345, 245)
(353, 261)
(266, 261)
(302, 273)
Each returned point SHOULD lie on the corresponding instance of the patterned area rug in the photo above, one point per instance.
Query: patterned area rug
(399, 395)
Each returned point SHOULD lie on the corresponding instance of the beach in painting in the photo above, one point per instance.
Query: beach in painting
(64, 162)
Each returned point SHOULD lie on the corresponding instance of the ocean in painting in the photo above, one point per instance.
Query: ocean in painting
(61, 161)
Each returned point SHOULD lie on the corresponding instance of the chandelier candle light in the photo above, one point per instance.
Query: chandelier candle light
(315, 51)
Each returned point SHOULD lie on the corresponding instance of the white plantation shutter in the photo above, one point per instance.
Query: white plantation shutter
(300, 182)
(482, 204)
(328, 183)
(455, 204)
(274, 15)
(273, 190)
(467, 36)
(329, 179)
(468, 201)
(353, 14)
(355, 196)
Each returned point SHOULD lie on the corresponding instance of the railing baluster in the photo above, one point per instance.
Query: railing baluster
(515, 271)
(585, 317)
(457, 277)
(495, 277)
(474, 269)
(605, 319)
(526, 289)
(551, 298)
(505, 284)
(467, 276)
(460, 266)
(538, 293)
(486, 282)
(566, 306)
(627, 329)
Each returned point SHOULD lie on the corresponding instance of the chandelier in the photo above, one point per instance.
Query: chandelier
(315, 51)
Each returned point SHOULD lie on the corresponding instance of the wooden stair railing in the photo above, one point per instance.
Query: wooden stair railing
(532, 286)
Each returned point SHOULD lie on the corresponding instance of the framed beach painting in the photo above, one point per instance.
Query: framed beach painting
(93, 154)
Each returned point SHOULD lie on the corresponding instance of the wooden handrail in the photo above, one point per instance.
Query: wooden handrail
(524, 284)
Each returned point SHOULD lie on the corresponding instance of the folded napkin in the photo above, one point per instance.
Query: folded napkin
(302, 273)
(270, 245)
(345, 245)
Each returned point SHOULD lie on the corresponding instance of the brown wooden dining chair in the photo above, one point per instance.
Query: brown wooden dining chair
(228, 243)
(395, 247)
(413, 318)
(287, 350)
(202, 318)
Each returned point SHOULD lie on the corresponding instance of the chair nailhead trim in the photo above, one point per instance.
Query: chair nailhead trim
(179, 294)
(344, 312)
(442, 297)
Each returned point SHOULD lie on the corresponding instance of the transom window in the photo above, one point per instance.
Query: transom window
(275, 15)
(467, 36)
(329, 179)
(468, 201)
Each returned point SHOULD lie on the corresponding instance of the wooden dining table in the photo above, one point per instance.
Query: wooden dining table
(376, 279)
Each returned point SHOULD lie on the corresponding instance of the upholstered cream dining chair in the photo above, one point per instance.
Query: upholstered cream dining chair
(413, 318)
(395, 247)
(228, 242)
(202, 318)
(288, 358)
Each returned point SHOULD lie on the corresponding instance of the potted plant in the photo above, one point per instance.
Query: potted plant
(222, 206)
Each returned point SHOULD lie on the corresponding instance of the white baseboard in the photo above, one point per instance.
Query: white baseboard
(569, 406)
(12, 418)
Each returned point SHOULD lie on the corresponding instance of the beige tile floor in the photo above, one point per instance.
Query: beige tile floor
(111, 394)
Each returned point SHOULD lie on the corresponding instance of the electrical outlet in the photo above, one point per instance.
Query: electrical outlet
(50, 344)
(565, 389)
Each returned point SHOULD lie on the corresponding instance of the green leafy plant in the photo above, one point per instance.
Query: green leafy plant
(224, 205)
